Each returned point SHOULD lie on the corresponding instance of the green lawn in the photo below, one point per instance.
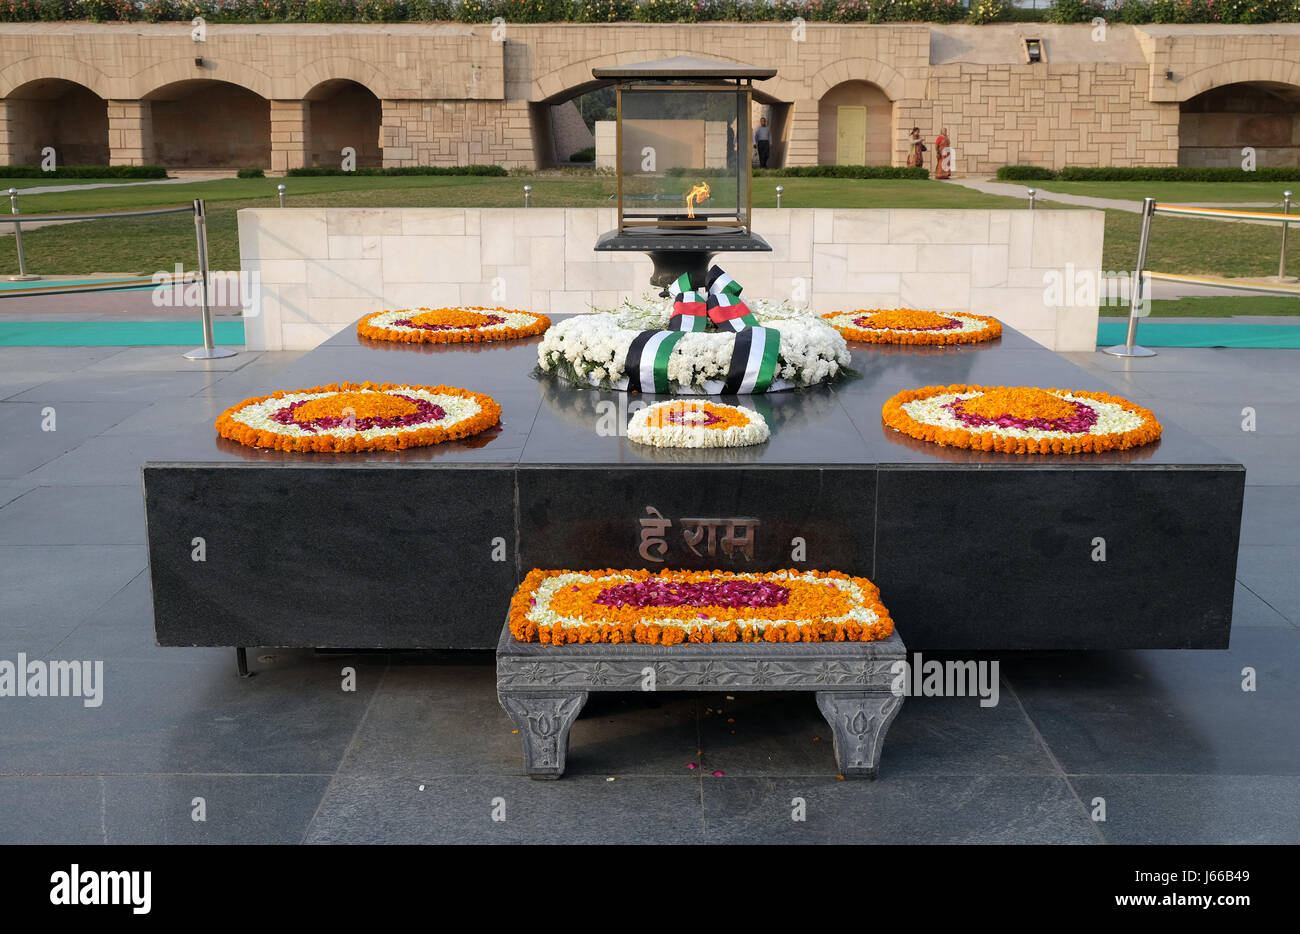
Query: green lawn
(1194, 246)
(1215, 307)
(143, 245)
(1178, 192)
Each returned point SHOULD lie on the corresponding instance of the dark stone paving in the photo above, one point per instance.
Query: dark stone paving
(420, 751)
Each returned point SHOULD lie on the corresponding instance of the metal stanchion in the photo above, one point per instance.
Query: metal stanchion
(528, 195)
(779, 190)
(1130, 346)
(280, 191)
(1281, 263)
(1032, 193)
(23, 274)
(209, 350)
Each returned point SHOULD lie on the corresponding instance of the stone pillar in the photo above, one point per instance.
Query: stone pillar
(290, 135)
(130, 132)
(9, 142)
(393, 135)
(802, 146)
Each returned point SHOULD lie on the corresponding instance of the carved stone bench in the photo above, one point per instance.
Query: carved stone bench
(544, 687)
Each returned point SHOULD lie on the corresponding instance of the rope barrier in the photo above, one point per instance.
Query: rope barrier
(1226, 214)
(209, 350)
(1217, 282)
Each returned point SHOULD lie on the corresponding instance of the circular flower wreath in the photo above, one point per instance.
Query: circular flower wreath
(680, 424)
(346, 417)
(1021, 420)
(910, 326)
(592, 349)
(451, 325)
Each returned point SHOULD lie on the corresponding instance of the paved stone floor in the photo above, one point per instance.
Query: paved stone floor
(421, 752)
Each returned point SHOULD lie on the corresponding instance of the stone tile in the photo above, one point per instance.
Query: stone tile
(142, 386)
(1270, 571)
(436, 716)
(1156, 712)
(28, 446)
(1178, 810)
(81, 515)
(1251, 612)
(164, 359)
(49, 590)
(1271, 516)
(968, 809)
(409, 808)
(355, 279)
(781, 734)
(1271, 460)
(157, 809)
(431, 259)
(194, 714)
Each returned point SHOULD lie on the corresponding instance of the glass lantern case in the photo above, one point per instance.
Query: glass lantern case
(683, 141)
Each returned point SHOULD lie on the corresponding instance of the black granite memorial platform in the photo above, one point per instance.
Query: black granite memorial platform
(423, 548)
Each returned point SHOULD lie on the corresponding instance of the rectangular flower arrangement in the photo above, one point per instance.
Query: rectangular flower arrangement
(672, 607)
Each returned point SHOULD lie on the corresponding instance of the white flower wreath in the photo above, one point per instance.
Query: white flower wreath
(593, 348)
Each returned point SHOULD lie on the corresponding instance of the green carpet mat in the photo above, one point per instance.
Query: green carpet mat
(50, 286)
(116, 333)
(1155, 333)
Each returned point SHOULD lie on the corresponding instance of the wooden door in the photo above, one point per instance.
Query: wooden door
(850, 135)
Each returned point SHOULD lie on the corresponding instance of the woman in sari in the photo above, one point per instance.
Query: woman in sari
(943, 155)
(916, 154)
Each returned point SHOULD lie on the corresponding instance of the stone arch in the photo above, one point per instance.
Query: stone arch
(339, 67)
(1221, 126)
(868, 122)
(147, 84)
(41, 67)
(342, 112)
(58, 114)
(858, 69)
(1275, 70)
(204, 123)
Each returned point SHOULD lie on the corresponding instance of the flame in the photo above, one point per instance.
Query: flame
(693, 197)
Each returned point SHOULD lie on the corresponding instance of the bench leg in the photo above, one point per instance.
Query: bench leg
(858, 722)
(544, 719)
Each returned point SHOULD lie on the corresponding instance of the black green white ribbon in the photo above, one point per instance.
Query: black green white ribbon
(647, 361)
(726, 307)
(753, 361)
(690, 307)
(754, 356)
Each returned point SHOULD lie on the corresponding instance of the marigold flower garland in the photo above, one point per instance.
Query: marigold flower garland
(683, 424)
(670, 607)
(1021, 420)
(910, 326)
(452, 325)
(351, 417)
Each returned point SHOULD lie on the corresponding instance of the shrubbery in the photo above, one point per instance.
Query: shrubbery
(845, 171)
(1025, 173)
(250, 173)
(404, 170)
(1145, 173)
(84, 171)
(646, 11)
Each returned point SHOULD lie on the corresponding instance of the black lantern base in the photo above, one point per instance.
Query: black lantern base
(677, 250)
